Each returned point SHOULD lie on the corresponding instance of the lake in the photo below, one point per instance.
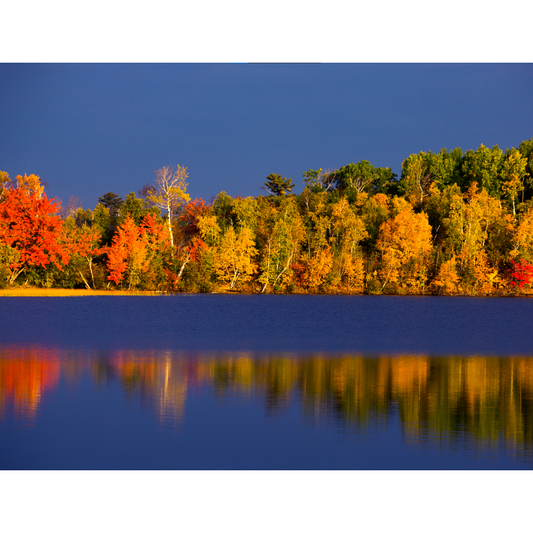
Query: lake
(266, 382)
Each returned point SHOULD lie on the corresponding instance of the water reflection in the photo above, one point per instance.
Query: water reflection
(484, 400)
(26, 374)
(160, 378)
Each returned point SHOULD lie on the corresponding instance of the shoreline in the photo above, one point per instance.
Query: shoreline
(62, 293)
(44, 292)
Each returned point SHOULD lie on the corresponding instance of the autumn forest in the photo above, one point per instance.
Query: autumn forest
(452, 223)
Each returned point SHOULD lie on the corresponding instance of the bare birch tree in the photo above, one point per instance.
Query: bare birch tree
(171, 186)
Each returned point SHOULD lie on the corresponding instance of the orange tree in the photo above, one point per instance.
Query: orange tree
(137, 254)
(405, 244)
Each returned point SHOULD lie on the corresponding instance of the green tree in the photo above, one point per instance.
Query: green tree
(445, 167)
(102, 220)
(363, 177)
(278, 185)
(526, 150)
(245, 212)
(8, 257)
(137, 208)
(133, 207)
(416, 179)
(319, 180)
(223, 209)
(113, 202)
(484, 166)
(422, 171)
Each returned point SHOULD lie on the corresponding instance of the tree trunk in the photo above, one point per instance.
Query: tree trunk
(84, 280)
(169, 209)
(187, 259)
(15, 275)
(90, 261)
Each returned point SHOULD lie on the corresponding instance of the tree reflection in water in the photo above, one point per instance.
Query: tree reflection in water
(485, 400)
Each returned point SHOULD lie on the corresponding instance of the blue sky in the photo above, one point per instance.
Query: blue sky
(88, 129)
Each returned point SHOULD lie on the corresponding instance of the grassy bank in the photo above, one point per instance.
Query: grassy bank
(36, 291)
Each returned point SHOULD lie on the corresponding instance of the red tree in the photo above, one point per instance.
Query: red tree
(191, 212)
(522, 273)
(29, 224)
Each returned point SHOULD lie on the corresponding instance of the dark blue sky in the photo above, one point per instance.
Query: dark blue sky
(87, 129)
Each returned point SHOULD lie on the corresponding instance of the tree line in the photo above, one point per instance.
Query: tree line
(451, 223)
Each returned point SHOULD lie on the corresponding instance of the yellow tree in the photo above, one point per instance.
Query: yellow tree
(233, 258)
(171, 187)
(313, 267)
(347, 231)
(4, 180)
(209, 229)
(513, 174)
(486, 277)
(522, 240)
(232, 250)
(405, 244)
(373, 210)
(318, 267)
(31, 184)
(476, 227)
(280, 233)
(447, 279)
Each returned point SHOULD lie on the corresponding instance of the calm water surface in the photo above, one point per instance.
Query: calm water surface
(266, 382)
